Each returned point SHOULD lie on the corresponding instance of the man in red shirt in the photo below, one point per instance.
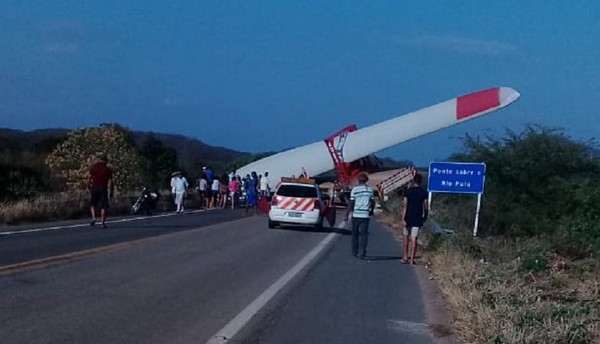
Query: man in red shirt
(100, 177)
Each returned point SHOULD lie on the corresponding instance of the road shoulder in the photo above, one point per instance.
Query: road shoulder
(439, 317)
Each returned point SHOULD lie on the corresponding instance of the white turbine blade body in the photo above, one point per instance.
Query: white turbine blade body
(389, 133)
(315, 157)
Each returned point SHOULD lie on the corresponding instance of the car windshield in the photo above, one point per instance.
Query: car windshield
(307, 191)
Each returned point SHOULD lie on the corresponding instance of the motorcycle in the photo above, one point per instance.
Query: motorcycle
(146, 202)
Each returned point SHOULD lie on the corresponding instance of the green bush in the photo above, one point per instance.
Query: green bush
(19, 182)
(538, 182)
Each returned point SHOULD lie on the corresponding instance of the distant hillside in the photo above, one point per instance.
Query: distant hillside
(189, 150)
(17, 140)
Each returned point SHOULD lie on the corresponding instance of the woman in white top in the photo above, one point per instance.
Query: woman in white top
(214, 188)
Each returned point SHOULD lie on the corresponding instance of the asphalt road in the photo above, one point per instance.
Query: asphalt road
(28, 242)
(220, 275)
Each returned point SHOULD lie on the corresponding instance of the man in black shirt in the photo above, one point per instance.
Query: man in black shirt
(414, 214)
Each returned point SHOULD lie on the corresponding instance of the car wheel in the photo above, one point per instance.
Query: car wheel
(272, 224)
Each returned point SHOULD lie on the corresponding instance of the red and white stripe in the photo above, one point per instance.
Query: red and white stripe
(294, 203)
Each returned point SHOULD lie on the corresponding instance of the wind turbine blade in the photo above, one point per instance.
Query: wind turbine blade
(389, 133)
(315, 157)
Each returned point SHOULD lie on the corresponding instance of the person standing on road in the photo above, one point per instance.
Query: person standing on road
(264, 185)
(181, 186)
(209, 174)
(202, 190)
(173, 183)
(233, 190)
(215, 188)
(362, 203)
(414, 214)
(98, 184)
(251, 193)
(224, 190)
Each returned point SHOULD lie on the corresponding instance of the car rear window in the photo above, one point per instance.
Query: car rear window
(297, 191)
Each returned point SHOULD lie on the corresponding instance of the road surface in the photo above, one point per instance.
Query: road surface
(206, 277)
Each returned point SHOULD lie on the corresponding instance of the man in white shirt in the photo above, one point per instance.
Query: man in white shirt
(362, 203)
(181, 185)
(173, 181)
(264, 185)
(202, 191)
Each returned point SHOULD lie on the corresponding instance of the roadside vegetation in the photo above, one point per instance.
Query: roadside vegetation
(45, 179)
(532, 275)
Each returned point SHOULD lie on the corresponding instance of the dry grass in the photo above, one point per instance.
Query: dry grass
(519, 294)
(504, 290)
(54, 207)
(62, 206)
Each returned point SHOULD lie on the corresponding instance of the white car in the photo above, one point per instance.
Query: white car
(297, 201)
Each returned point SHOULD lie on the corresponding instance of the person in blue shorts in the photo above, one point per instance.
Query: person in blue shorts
(251, 193)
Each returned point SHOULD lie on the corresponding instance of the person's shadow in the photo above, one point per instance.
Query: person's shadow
(341, 231)
(383, 257)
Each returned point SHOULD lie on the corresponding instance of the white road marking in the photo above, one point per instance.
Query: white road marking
(127, 219)
(240, 320)
(409, 326)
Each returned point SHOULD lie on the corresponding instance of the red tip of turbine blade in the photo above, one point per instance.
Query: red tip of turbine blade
(474, 103)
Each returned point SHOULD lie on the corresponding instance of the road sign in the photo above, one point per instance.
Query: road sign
(456, 177)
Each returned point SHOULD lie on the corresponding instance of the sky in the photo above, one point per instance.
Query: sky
(270, 75)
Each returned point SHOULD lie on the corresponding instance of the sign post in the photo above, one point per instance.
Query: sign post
(457, 177)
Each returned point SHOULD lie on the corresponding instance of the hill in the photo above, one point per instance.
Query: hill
(190, 151)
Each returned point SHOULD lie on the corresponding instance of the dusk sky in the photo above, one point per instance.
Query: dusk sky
(268, 75)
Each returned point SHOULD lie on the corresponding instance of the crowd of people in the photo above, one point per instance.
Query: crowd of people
(230, 190)
(223, 191)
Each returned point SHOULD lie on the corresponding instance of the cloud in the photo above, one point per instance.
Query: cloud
(460, 45)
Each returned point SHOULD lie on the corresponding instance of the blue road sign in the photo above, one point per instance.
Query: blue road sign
(456, 177)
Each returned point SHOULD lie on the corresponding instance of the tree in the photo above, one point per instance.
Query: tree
(71, 160)
(19, 182)
(160, 161)
(536, 181)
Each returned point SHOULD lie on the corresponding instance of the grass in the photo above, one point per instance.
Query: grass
(513, 293)
(53, 207)
(507, 290)
(62, 206)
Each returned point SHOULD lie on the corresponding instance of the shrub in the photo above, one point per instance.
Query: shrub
(538, 182)
(71, 160)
